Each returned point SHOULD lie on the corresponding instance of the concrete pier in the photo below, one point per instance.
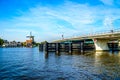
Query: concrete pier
(101, 45)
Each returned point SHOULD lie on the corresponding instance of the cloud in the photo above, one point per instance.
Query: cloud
(108, 22)
(71, 19)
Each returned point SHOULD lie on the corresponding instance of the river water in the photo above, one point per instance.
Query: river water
(30, 64)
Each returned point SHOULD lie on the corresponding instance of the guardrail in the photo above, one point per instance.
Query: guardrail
(93, 34)
(99, 33)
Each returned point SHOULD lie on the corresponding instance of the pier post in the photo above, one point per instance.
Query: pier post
(118, 44)
(40, 47)
(70, 47)
(81, 46)
(57, 47)
(46, 47)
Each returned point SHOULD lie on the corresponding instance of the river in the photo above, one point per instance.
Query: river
(30, 64)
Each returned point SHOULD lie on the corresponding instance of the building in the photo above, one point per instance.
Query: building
(30, 41)
(12, 44)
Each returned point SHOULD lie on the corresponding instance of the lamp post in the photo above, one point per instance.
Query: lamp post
(111, 25)
(62, 37)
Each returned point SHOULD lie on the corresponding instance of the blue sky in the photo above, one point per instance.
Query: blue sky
(49, 19)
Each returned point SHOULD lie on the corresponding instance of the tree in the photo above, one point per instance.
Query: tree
(43, 42)
(24, 44)
(1, 42)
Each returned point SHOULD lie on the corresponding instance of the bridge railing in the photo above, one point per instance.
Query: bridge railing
(99, 33)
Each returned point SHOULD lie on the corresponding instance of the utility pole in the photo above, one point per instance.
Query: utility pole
(62, 36)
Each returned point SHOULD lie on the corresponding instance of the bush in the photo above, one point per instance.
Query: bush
(1, 42)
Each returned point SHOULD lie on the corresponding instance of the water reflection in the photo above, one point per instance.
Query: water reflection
(107, 63)
(46, 55)
(58, 54)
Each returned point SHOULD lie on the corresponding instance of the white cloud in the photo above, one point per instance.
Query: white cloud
(108, 22)
(70, 19)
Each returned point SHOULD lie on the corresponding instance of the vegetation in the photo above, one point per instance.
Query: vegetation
(24, 44)
(1, 42)
(43, 42)
(35, 44)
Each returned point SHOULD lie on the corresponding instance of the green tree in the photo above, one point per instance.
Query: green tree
(24, 44)
(1, 41)
(43, 42)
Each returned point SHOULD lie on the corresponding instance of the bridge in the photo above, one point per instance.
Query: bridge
(100, 39)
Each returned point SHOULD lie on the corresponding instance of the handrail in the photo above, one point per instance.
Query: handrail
(93, 34)
(99, 33)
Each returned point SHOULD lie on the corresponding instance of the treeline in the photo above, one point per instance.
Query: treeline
(23, 43)
(43, 42)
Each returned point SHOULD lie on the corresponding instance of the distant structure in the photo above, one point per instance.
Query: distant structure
(12, 44)
(62, 37)
(30, 42)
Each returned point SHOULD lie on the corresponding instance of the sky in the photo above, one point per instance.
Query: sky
(48, 20)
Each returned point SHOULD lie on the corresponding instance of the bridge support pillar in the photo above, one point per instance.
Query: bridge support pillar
(101, 44)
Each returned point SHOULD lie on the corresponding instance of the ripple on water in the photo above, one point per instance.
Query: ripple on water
(29, 64)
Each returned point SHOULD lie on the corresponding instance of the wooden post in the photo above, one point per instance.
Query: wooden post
(112, 46)
(81, 46)
(57, 47)
(70, 47)
(46, 47)
(40, 47)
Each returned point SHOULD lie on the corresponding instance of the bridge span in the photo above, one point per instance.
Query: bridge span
(100, 39)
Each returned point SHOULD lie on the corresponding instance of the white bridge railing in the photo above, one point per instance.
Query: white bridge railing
(114, 31)
(98, 33)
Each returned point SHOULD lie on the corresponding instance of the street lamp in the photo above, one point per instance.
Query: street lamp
(62, 36)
